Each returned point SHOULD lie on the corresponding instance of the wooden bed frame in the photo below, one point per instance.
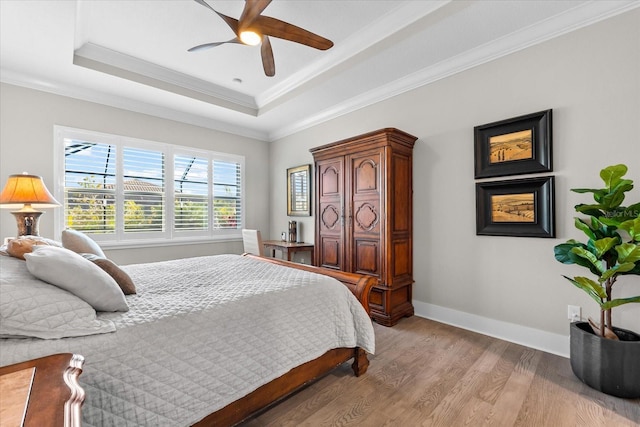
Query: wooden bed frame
(283, 386)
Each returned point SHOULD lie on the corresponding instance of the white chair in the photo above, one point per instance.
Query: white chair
(252, 241)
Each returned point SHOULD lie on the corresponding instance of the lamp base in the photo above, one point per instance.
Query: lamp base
(27, 222)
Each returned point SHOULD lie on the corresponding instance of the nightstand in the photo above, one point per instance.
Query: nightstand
(51, 390)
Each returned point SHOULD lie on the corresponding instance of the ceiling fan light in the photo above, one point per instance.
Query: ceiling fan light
(250, 37)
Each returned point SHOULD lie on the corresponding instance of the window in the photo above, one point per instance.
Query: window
(124, 190)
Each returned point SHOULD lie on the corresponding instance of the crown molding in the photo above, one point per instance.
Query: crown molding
(116, 101)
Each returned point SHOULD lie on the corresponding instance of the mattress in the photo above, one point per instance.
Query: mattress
(201, 333)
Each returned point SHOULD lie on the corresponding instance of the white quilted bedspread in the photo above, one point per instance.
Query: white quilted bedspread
(201, 333)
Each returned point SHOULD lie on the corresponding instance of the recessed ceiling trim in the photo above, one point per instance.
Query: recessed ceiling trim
(118, 64)
(376, 31)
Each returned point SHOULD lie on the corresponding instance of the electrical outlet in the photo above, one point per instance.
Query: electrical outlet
(573, 313)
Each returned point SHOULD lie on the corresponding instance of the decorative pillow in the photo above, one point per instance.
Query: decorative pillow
(111, 268)
(22, 245)
(79, 242)
(81, 277)
(32, 308)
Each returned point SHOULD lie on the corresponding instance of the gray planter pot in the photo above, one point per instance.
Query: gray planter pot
(612, 367)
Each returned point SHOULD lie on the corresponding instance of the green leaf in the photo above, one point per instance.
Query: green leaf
(589, 190)
(583, 253)
(612, 175)
(602, 246)
(618, 301)
(591, 210)
(593, 289)
(635, 271)
(628, 252)
(585, 228)
(615, 198)
(617, 269)
(632, 227)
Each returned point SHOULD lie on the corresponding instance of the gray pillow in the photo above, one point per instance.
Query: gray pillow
(70, 271)
(80, 243)
(31, 308)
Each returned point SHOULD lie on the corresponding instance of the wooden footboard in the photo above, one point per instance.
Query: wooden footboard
(283, 386)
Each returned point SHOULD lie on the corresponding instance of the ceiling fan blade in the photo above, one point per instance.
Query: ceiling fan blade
(231, 22)
(252, 8)
(283, 30)
(214, 44)
(268, 63)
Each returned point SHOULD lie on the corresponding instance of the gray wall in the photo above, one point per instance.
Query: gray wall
(26, 144)
(591, 80)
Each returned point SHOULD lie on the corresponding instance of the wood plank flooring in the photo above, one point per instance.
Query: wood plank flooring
(426, 373)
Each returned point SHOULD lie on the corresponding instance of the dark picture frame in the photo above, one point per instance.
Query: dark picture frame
(299, 191)
(518, 207)
(514, 146)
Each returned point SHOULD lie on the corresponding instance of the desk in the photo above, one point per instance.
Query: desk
(56, 396)
(287, 248)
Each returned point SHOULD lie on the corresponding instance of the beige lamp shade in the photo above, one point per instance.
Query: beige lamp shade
(26, 192)
(26, 189)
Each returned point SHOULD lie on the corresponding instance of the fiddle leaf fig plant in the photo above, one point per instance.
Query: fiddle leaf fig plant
(613, 246)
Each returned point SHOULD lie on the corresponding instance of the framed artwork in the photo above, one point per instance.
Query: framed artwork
(514, 146)
(299, 191)
(519, 207)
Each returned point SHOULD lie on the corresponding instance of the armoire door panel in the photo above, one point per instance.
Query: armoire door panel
(330, 217)
(366, 217)
(366, 170)
(366, 177)
(330, 252)
(330, 180)
(366, 257)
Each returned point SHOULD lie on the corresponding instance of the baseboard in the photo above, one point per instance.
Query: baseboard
(530, 337)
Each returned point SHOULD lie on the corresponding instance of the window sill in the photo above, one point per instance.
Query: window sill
(133, 244)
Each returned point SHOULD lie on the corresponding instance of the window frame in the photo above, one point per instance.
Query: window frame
(171, 235)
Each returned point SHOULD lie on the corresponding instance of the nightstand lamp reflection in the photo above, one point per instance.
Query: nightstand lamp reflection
(29, 192)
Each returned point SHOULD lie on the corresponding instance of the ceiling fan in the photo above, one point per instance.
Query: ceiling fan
(253, 28)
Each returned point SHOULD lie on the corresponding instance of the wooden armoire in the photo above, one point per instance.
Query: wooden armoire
(363, 214)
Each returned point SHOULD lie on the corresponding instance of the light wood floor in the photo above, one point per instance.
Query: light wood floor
(426, 373)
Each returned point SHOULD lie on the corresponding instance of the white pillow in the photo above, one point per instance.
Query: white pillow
(31, 308)
(80, 243)
(81, 277)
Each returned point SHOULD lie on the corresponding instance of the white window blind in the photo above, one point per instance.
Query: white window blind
(191, 191)
(143, 187)
(227, 201)
(116, 189)
(89, 186)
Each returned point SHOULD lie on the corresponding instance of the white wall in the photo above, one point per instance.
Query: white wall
(504, 286)
(26, 144)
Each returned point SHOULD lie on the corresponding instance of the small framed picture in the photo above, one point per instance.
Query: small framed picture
(519, 207)
(299, 191)
(514, 146)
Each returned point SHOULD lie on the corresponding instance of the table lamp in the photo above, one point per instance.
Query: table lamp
(28, 191)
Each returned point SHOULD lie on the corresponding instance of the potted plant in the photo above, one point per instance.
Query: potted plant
(602, 356)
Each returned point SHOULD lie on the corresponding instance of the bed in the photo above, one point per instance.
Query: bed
(205, 341)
